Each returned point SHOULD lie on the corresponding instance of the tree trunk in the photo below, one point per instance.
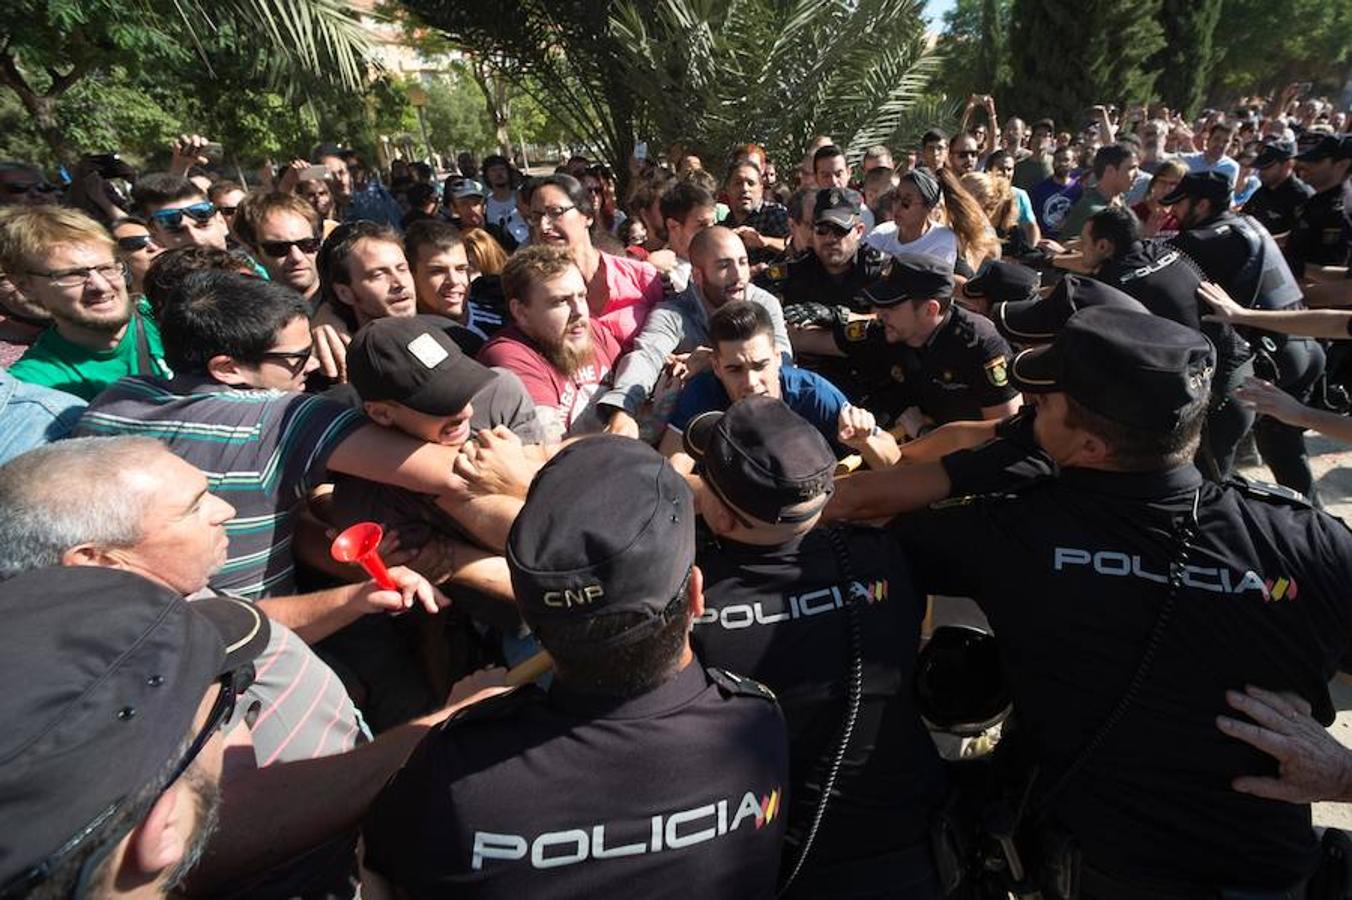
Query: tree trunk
(42, 107)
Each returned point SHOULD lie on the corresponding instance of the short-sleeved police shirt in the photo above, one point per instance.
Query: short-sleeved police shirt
(959, 371)
(1072, 574)
(809, 282)
(781, 615)
(676, 793)
(1276, 207)
(1322, 234)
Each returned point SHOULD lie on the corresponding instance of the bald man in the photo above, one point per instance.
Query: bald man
(720, 273)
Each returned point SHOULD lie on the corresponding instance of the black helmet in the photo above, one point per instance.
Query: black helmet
(960, 683)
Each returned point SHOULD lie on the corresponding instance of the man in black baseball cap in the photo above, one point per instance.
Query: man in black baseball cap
(1320, 246)
(797, 606)
(116, 688)
(603, 785)
(1280, 193)
(1199, 197)
(999, 282)
(1039, 321)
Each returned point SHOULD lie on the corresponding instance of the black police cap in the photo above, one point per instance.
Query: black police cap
(413, 361)
(104, 673)
(1132, 367)
(1000, 281)
(1213, 186)
(1274, 152)
(764, 460)
(912, 276)
(1329, 146)
(837, 206)
(1040, 321)
(608, 527)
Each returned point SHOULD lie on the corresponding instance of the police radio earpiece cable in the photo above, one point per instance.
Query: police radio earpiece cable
(854, 687)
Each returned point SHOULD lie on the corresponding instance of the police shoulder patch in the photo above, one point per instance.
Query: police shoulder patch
(737, 684)
(997, 371)
(497, 707)
(1274, 493)
(857, 330)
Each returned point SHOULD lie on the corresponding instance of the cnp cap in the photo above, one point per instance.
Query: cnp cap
(1330, 146)
(837, 206)
(912, 276)
(764, 459)
(104, 672)
(1274, 152)
(1213, 186)
(999, 281)
(413, 361)
(608, 527)
(1132, 367)
(1040, 321)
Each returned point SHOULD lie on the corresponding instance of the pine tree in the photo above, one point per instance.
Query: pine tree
(1188, 57)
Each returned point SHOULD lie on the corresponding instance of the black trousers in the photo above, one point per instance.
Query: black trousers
(1299, 364)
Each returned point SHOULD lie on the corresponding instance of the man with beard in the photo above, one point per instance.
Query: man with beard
(362, 265)
(838, 267)
(761, 224)
(64, 262)
(282, 232)
(562, 355)
(1053, 197)
(112, 769)
(720, 274)
(1281, 193)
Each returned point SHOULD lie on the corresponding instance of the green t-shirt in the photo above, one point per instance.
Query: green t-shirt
(55, 362)
(1090, 202)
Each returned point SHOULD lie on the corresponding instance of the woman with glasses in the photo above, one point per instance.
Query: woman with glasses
(620, 291)
(137, 249)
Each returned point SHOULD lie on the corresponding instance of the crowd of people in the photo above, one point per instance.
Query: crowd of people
(714, 452)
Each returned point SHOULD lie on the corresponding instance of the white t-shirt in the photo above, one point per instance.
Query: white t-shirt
(504, 214)
(939, 241)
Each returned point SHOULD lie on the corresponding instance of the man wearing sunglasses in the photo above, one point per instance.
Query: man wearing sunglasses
(282, 232)
(65, 262)
(22, 184)
(116, 693)
(179, 213)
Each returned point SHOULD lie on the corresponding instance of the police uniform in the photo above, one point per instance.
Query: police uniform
(961, 368)
(1239, 255)
(789, 615)
(595, 790)
(809, 282)
(1075, 575)
(1276, 206)
(1165, 280)
(1322, 234)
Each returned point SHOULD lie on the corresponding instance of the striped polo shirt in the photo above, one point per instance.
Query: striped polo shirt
(262, 451)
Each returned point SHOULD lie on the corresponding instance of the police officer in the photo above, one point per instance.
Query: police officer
(1281, 193)
(940, 363)
(1128, 594)
(826, 284)
(1237, 253)
(639, 772)
(827, 618)
(1030, 323)
(1322, 236)
(999, 282)
(1165, 280)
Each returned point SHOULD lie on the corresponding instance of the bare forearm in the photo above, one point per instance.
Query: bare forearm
(880, 451)
(488, 519)
(390, 457)
(878, 495)
(314, 616)
(945, 439)
(1335, 425)
(814, 342)
(1320, 323)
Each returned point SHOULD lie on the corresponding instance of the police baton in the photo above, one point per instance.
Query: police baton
(529, 669)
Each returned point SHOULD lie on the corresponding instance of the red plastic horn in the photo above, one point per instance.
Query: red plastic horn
(358, 545)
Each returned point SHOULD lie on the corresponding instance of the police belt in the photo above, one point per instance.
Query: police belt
(1097, 885)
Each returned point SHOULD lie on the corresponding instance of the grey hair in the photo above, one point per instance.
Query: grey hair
(69, 493)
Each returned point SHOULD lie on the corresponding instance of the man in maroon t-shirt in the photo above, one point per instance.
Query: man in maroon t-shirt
(559, 352)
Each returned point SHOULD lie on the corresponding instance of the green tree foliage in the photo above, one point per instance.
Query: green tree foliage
(1067, 57)
(1262, 45)
(975, 46)
(715, 73)
(1186, 60)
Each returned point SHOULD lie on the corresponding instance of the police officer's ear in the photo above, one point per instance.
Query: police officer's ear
(695, 592)
(716, 514)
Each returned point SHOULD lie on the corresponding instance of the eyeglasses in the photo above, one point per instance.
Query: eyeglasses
(69, 278)
(232, 685)
(552, 213)
(278, 249)
(227, 211)
(829, 231)
(172, 219)
(133, 243)
(294, 361)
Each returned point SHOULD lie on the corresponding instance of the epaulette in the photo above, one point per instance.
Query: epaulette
(1272, 493)
(972, 500)
(499, 706)
(737, 684)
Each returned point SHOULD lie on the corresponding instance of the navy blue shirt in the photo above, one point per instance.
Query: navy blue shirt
(806, 393)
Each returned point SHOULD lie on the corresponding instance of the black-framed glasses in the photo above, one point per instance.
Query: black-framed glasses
(293, 361)
(133, 243)
(25, 187)
(552, 213)
(232, 684)
(172, 219)
(279, 249)
(68, 278)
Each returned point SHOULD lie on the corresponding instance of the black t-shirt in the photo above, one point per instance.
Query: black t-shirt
(961, 370)
(676, 793)
(1322, 234)
(1072, 574)
(779, 615)
(1276, 207)
(809, 282)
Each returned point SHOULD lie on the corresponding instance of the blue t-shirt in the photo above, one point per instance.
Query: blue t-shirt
(806, 393)
(1051, 202)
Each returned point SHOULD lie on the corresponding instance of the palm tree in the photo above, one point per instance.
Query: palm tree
(47, 46)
